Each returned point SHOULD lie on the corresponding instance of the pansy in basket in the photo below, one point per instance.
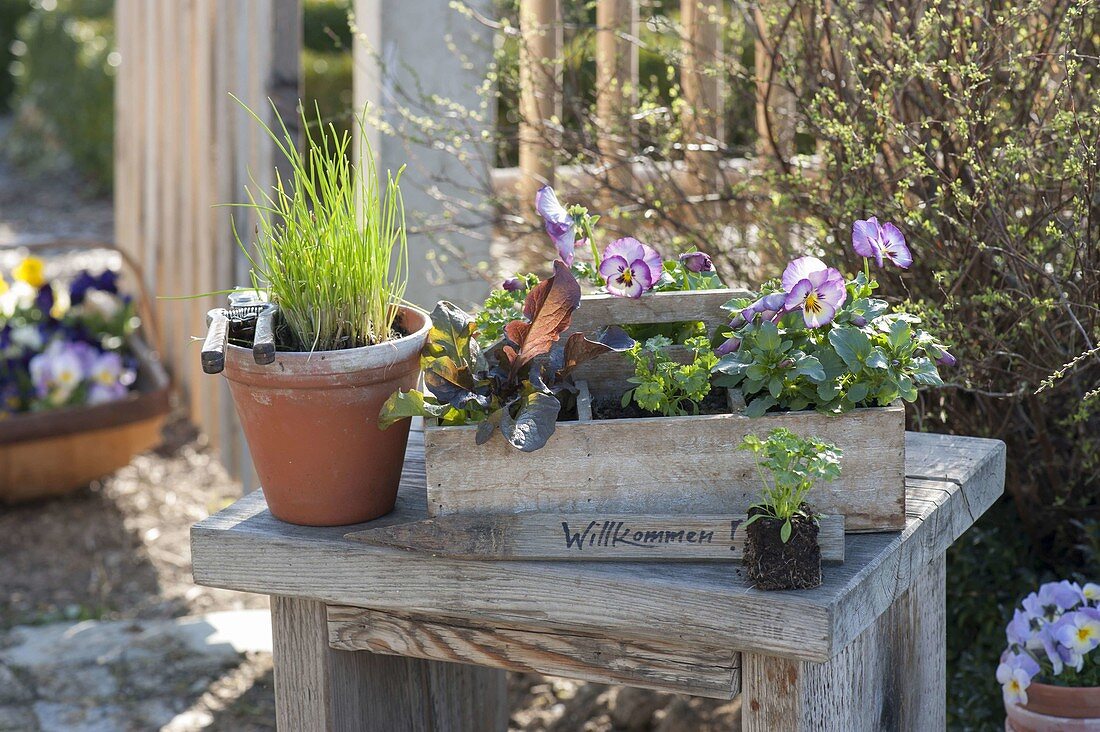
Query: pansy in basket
(818, 340)
(63, 346)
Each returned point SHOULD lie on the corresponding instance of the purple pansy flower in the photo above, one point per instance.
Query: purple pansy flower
(561, 227)
(1018, 631)
(1079, 632)
(630, 267)
(730, 346)
(768, 307)
(819, 295)
(513, 284)
(696, 262)
(800, 269)
(60, 368)
(107, 281)
(872, 240)
(80, 285)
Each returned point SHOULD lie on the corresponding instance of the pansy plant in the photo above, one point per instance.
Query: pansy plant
(816, 340)
(517, 385)
(1053, 637)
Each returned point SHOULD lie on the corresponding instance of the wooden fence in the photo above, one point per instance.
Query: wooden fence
(183, 145)
(617, 35)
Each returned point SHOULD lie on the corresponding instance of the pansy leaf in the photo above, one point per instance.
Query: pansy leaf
(876, 359)
(768, 338)
(827, 392)
(852, 345)
(857, 392)
(900, 334)
(925, 373)
(548, 308)
(785, 531)
(533, 423)
(775, 386)
(760, 405)
(810, 367)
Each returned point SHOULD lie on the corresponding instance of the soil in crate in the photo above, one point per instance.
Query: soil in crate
(777, 565)
(612, 407)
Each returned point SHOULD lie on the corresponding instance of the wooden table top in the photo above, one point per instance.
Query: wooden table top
(950, 482)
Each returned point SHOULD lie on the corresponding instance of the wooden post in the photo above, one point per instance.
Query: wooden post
(318, 688)
(702, 88)
(540, 96)
(183, 145)
(891, 677)
(616, 91)
(408, 54)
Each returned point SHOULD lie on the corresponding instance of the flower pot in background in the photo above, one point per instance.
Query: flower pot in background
(1056, 708)
(311, 422)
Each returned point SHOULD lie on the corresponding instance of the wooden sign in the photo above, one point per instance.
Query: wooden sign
(585, 537)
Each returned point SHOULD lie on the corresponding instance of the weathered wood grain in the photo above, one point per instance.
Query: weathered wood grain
(702, 671)
(596, 311)
(319, 688)
(664, 464)
(891, 677)
(245, 548)
(586, 537)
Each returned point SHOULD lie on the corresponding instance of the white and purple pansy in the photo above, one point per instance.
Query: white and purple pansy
(560, 225)
(630, 267)
(1014, 674)
(817, 290)
(872, 240)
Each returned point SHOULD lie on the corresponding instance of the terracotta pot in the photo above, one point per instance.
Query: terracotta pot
(1056, 708)
(311, 422)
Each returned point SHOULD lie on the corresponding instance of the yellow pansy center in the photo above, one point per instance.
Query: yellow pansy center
(627, 277)
(813, 303)
(1085, 633)
(32, 271)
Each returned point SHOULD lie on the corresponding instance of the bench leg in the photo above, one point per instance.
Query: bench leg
(892, 677)
(318, 688)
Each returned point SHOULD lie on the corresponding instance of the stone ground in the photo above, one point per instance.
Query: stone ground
(101, 628)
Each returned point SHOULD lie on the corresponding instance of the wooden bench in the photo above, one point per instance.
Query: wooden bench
(368, 638)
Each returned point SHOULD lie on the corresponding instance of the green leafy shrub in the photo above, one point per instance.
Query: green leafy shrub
(11, 12)
(976, 127)
(64, 87)
(666, 386)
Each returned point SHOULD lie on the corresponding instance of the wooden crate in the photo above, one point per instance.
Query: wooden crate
(664, 464)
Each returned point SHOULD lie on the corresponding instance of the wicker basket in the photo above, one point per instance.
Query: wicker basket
(56, 452)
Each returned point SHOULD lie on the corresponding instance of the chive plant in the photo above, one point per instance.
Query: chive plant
(330, 245)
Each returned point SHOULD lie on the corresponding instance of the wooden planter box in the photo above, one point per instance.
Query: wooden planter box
(56, 452)
(663, 464)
